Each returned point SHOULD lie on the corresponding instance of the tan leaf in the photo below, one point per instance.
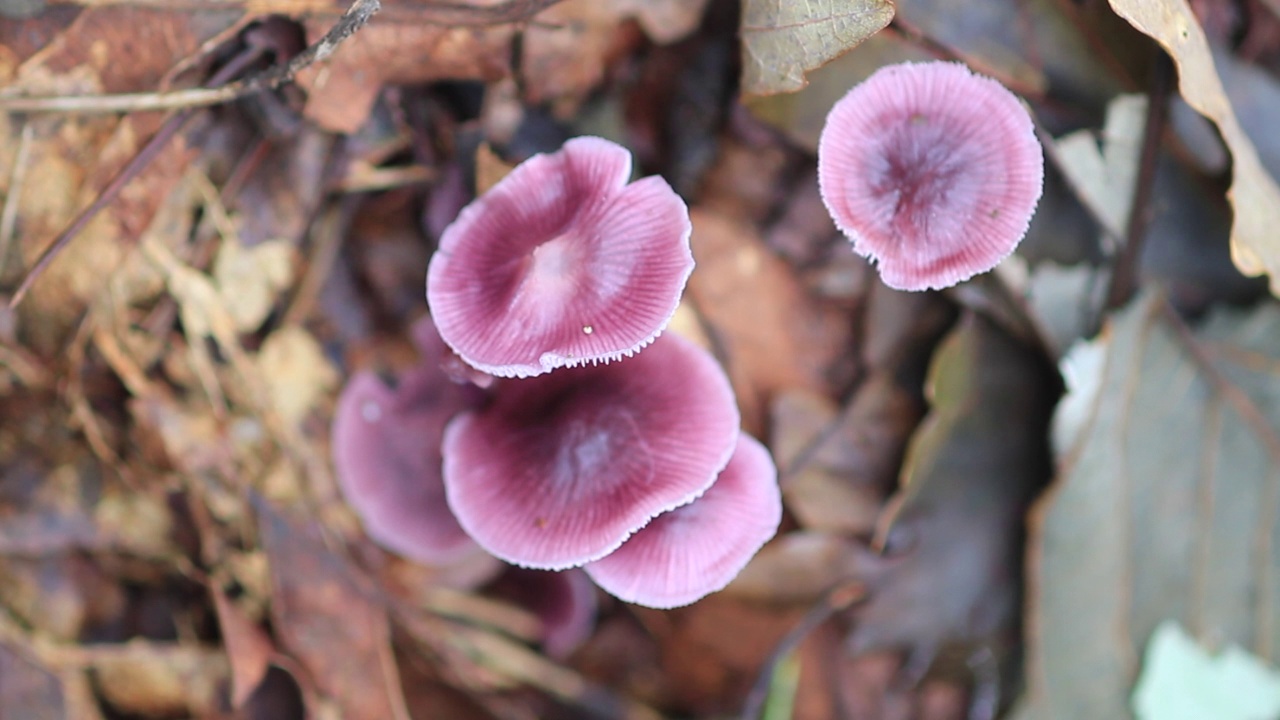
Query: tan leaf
(250, 279)
(782, 39)
(296, 372)
(1254, 194)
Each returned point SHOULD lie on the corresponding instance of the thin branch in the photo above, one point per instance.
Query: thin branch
(841, 597)
(1124, 282)
(355, 18)
(9, 215)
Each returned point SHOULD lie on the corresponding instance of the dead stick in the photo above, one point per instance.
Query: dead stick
(355, 18)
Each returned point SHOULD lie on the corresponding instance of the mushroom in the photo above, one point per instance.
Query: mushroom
(694, 550)
(563, 601)
(386, 453)
(559, 469)
(561, 263)
(932, 171)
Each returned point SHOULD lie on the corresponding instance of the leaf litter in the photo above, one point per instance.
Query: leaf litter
(172, 542)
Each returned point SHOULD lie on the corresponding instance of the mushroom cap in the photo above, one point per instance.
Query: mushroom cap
(558, 470)
(695, 550)
(561, 263)
(564, 602)
(932, 171)
(386, 453)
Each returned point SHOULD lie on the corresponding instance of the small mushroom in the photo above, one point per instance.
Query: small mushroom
(564, 602)
(386, 453)
(932, 171)
(694, 550)
(558, 470)
(561, 263)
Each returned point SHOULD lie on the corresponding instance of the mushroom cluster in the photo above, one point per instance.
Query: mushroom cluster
(931, 171)
(602, 443)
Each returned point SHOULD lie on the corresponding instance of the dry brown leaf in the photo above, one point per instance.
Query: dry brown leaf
(782, 39)
(1254, 194)
(773, 336)
(342, 90)
(72, 158)
(567, 52)
(329, 624)
(249, 650)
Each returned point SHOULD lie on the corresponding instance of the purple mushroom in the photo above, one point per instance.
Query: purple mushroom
(386, 452)
(558, 470)
(562, 263)
(564, 602)
(932, 171)
(696, 549)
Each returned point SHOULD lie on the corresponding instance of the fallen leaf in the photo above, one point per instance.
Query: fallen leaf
(773, 336)
(1181, 681)
(1104, 179)
(802, 114)
(782, 40)
(796, 568)
(296, 373)
(251, 279)
(159, 680)
(948, 574)
(1165, 507)
(1254, 194)
(342, 90)
(23, 684)
(249, 650)
(330, 624)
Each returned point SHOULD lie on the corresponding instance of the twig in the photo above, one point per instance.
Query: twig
(9, 216)
(153, 147)
(841, 597)
(1124, 281)
(355, 18)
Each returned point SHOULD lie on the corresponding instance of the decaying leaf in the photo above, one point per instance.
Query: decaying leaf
(295, 371)
(1165, 509)
(1254, 194)
(161, 680)
(250, 279)
(782, 40)
(951, 562)
(329, 624)
(774, 337)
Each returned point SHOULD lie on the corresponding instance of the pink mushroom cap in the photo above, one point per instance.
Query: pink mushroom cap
(562, 263)
(558, 470)
(564, 601)
(697, 549)
(386, 453)
(932, 171)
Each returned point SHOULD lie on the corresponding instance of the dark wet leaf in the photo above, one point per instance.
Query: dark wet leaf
(951, 559)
